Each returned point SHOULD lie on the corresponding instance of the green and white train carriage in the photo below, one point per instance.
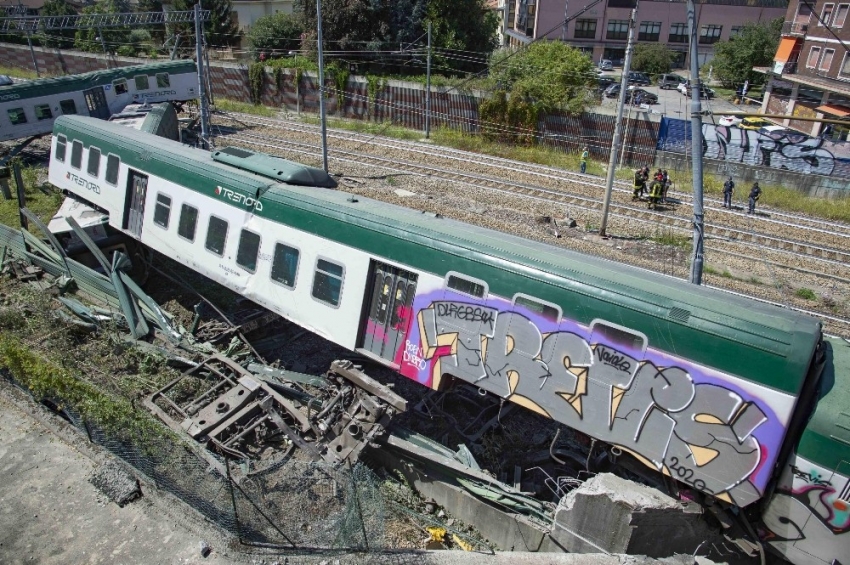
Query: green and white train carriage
(29, 108)
(712, 389)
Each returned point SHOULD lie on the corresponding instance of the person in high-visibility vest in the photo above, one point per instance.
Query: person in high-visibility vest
(584, 155)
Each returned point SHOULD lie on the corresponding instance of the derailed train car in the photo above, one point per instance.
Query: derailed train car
(29, 108)
(736, 399)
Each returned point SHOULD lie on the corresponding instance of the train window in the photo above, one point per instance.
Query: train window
(163, 81)
(112, 164)
(77, 154)
(327, 282)
(548, 311)
(466, 285)
(249, 248)
(94, 161)
(68, 106)
(285, 265)
(42, 112)
(120, 86)
(61, 144)
(17, 116)
(162, 211)
(618, 335)
(142, 82)
(188, 222)
(216, 236)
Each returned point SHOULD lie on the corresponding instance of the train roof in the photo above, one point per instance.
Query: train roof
(763, 343)
(70, 83)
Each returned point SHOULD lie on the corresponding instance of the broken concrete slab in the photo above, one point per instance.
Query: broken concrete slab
(116, 481)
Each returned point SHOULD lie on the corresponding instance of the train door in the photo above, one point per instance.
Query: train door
(389, 310)
(134, 203)
(96, 103)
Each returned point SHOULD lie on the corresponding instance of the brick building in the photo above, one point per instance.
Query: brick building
(811, 71)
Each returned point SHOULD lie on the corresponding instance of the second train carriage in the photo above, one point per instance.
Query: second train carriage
(715, 390)
(29, 108)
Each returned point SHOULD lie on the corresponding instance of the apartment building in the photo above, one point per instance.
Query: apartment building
(602, 29)
(811, 71)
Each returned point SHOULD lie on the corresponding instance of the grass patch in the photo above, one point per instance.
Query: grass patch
(805, 294)
(18, 72)
(41, 199)
(709, 270)
(226, 105)
(370, 128)
(674, 240)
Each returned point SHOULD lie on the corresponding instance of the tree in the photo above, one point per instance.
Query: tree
(276, 34)
(347, 25)
(221, 29)
(463, 25)
(92, 39)
(554, 75)
(57, 38)
(755, 46)
(652, 58)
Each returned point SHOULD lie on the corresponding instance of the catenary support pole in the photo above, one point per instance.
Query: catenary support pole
(566, 20)
(618, 125)
(696, 147)
(322, 89)
(428, 88)
(32, 54)
(202, 84)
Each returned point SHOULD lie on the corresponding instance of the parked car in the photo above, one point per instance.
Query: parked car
(640, 79)
(641, 96)
(729, 121)
(604, 82)
(705, 92)
(666, 81)
(612, 91)
(754, 123)
(606, 65)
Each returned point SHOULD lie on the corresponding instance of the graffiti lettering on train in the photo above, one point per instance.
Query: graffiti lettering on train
(700, 433)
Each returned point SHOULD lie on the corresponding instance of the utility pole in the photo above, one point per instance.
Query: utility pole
(322, 89)
(696, 146)
(428, 88)
(566, 20)
(618, 126)
(202, 84)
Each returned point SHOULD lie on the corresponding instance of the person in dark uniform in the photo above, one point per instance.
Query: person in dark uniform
(755, 192)
(639, 184)
(728, 187)
(656, 191)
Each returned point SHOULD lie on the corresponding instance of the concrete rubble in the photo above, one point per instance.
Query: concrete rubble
(115, 481)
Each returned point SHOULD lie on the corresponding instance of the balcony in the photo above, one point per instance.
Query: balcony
(795, 29)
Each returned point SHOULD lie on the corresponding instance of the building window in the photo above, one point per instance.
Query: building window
(814, 55)
(188, 222)
(94, 162)
(841, 15)
(843, 72)
(649, 31)
(120, 86)
(77, 154)
(710, 33)
(826, 61)
(249, 248)
(804, 12)
(17, 116)
(678, 33)
(826, 15)
(216, 236)
(42, 112)
(142, 82)
(327, 282)
(162, 211)
(618, 29)
(285, 265)
(735, 30)
(162, 80)
(585, 29)
(68, 107)
(112, 163)
(466, 285)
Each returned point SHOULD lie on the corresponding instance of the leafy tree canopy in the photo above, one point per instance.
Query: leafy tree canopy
(652, 58)
(57, 38)
(275, 35)
(755, 46)
(221, 30)
(463, 25)
(553, 74)
(92, 39)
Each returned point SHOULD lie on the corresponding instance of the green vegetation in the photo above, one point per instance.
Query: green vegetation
(41, 199)
(652, 58)
(754, 46)
(18, 72)
(370, 128)
(674, 240)
(226, 105)
(805, 294)
(275, 34)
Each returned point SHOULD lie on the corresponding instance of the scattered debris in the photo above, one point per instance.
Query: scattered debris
(113, 480)
(205, 549)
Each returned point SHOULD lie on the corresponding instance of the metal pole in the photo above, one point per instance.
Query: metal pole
(696, 147)
(32, 54)
(428, 88)
(626, 137)
(176, 45)
(22, 198)
(566, 20)
(322, 88)
(612, 155)
(103, 45)
(202, 94)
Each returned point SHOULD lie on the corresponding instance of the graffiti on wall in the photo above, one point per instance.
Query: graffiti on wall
(671, 414)
(810, 513)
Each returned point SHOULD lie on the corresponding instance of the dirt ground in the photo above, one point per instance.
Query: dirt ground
(50, 513)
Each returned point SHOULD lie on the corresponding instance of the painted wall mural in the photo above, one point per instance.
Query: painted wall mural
(808, 519)
(794, 152)
(710, 430)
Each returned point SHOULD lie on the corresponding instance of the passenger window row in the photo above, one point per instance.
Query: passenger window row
(142, 82)
(113, 162)
(479, 289)
(328, 276)
(18, 116)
